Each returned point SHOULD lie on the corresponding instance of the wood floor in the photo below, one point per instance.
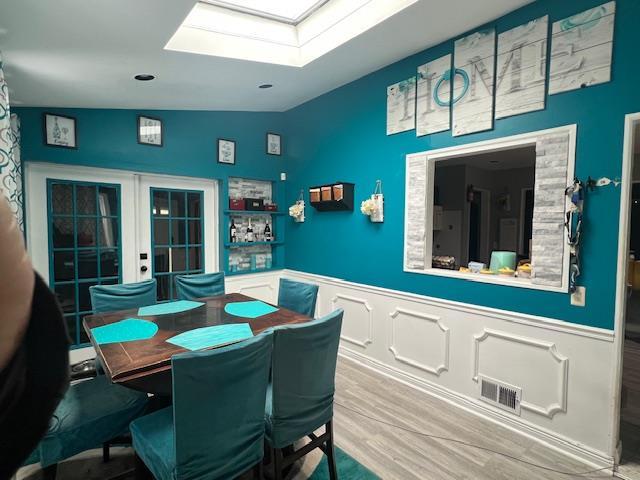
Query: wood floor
(396, 454)
(390, 452)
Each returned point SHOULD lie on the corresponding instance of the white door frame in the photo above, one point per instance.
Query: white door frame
(36, 175)
(631, 120)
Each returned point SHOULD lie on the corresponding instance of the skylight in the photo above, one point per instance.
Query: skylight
(282, 32)
(290, 11)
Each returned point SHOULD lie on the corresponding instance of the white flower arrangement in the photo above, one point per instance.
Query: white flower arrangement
(297, 211)
(369, 207)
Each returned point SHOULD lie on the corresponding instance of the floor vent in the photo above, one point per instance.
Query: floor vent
(502, 395)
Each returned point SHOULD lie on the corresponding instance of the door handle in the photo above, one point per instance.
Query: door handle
(144, 268)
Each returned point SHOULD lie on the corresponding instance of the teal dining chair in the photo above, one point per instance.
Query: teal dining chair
(215, 428)
(300, 395)
(91, 413)
(192, 287)
(298, 296)
(112, 298)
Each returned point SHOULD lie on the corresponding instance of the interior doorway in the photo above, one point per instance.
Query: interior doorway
(628, 306)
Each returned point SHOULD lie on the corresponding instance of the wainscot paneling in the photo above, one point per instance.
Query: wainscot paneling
(440, 347)
(263, 286)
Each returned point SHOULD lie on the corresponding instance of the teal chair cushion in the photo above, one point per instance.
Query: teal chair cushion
(298, 296)
(153, 440)
(191, 287)
(112, 298)
(217, 426)
(91, 413)
(300, 397)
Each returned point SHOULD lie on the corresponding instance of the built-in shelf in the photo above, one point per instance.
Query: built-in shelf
(249, 244)
(251, 212)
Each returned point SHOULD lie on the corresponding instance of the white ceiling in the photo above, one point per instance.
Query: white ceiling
(84, 53)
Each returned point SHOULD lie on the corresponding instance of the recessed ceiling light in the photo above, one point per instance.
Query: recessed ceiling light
(265, 85)
(144, 77)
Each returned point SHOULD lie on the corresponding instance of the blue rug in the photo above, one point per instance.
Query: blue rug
(348, 469)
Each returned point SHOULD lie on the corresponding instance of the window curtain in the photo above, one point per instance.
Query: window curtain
(10, 161)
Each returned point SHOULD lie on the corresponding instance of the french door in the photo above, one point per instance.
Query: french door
(89, 226)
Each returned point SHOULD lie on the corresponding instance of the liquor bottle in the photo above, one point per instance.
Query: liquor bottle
(249, 232)
(233, 232)
(267, 233)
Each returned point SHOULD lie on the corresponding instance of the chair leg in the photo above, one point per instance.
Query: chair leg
(50, 472)
(331, 458)
(277, 464)
(141, 470)
(106, 453)
(258, 471)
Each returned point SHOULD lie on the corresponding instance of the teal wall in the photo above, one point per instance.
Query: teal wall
(341, 136)
(108, 139)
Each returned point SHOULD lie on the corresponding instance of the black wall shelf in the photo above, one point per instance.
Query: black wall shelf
(332, 197)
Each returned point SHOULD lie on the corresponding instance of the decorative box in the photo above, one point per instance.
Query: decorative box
(271, 207)
(314, 194)
(325, 193)
(254, 204)
(236, 204)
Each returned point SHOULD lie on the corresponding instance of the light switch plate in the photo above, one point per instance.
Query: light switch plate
(283, 176)
(578, 298)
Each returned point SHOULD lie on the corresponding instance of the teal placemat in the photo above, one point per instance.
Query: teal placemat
(126, 330)
(252, 309)
(169, 307)
(207, 337)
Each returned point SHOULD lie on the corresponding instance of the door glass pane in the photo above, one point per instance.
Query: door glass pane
(108, 201)
(109, 234)
(160, 206)
(193, 204)
(161, 259)
(63, 266)
(195, 231)
(161, 232)
(84, 298)
(178, 204)
(163, 287)
(178, 232)
(109, 263)
(78, 257)
(62, 233)
(66, 295)
(179, 259)
(87, 264)
(87, 232)
(62, 199)
(86, 200)
(195, 258)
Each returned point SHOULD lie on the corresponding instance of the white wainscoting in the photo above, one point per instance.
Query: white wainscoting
(263, 286)
(440, 347)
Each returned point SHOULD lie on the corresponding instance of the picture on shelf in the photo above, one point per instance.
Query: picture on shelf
(273, 144)
(60, 131)
(149, 131)
(226, 151)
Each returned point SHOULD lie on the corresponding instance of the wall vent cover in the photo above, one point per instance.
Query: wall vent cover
(499, 394)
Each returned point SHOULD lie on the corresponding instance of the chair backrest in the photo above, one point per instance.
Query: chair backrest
(218, 406)
(298, 296)
(303, 377)
(111, 298)
(191, 287)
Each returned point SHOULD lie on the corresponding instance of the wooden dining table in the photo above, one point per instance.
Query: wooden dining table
(145, 365)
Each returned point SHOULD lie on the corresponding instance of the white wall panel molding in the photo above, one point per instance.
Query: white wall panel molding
(411, 347)
(357, 325)
(263, 286)
(560, 363)
(506, 315)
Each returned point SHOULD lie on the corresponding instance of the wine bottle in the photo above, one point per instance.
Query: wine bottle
(267, 232)
(233, 232)
(249, 232)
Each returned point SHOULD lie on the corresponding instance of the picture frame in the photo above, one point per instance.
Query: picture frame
(59, 130)
(274, 144)
(150, 131)
(226, 151)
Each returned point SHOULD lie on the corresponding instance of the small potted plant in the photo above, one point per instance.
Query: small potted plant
(374, 207)
(297, 209)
